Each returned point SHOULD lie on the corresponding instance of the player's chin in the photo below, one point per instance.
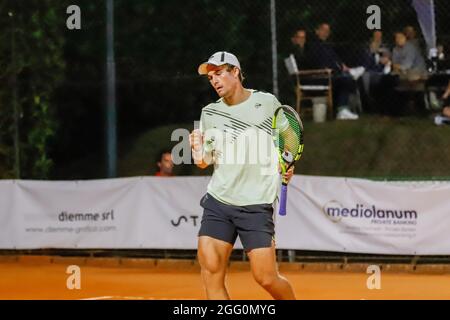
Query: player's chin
(221, 93)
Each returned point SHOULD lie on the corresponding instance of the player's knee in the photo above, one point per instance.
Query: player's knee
(265, 280)
(211, 264)
(211, 268)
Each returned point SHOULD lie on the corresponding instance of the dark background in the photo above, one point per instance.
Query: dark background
(158, 46)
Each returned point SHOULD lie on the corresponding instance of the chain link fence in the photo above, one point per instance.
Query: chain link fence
(158, 46)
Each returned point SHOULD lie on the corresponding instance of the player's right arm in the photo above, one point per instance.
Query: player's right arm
(196, 142)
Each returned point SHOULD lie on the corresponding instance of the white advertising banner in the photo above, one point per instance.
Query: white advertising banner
(331, 214)
(138, 212)
(361, 216)
(81, 214)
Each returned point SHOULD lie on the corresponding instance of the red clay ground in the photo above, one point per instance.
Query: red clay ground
(45, 278)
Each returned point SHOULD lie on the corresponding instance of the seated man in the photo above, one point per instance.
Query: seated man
(407, 58)
(411, 36)
(325, 57)
(378, 54)
(300, 49)
(408, 64)
(377, 61)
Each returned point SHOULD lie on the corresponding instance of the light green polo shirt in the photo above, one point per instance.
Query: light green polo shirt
(239, 140)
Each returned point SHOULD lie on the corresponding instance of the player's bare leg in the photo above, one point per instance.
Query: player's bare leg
(265, 271)
(213, 257)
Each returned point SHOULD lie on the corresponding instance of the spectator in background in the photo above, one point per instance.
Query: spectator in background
(440, 52)
(378, 64)
(376, 42)
(165, 164)
(406, 63)
(444, 118)
(379, 54)
(325, 57)
(411, 36)
(300, 49)
(379, 50)
(406, 57)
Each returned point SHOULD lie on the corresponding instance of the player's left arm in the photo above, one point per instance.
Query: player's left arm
(289, 174)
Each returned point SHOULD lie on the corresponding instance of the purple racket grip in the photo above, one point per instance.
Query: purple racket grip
(283, 198)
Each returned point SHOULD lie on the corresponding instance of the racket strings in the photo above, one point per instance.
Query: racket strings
(289, 139)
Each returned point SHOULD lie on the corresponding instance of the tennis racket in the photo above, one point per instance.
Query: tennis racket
(287, 134)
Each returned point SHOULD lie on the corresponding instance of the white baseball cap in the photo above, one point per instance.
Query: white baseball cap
(219, 59)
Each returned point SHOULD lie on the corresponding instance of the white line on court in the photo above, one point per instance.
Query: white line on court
(133, 298)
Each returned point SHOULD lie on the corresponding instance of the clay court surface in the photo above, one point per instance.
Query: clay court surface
(141, 279)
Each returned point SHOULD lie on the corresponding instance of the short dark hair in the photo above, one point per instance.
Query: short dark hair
(230, 67)
(161, 153)
(298, 29)
(319, 25)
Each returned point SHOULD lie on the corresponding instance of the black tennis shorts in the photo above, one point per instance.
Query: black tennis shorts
(254, 223)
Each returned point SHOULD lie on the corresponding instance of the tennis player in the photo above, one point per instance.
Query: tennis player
(240, 196)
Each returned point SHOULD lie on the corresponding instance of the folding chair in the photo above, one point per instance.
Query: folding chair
(305, 91)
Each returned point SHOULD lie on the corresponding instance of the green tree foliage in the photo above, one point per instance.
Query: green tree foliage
(31, 51)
